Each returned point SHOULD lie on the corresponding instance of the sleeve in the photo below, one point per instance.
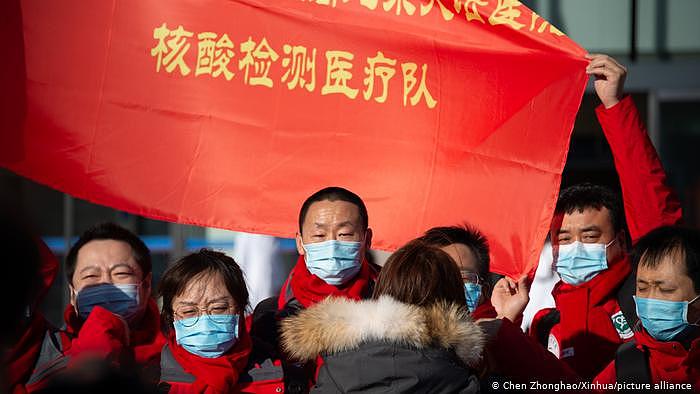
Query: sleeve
(648, 201)
(103, 336)
(519, 357)
(606, 376)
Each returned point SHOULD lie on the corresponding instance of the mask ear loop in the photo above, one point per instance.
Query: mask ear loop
(697, 322)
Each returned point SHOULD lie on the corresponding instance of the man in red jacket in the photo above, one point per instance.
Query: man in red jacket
(665, 352)
(589, 239)
(112, 315)
(333, 242)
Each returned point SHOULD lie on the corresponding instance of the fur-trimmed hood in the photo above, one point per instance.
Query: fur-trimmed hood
(338, 324)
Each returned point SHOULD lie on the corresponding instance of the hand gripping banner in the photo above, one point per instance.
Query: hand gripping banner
(230, 113)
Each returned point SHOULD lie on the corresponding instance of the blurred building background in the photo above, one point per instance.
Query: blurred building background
(659, 41)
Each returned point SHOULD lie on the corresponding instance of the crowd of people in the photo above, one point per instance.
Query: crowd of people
(432, 319)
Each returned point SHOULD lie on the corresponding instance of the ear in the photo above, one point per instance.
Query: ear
(300, 244)
(72, 294)
(368, 239)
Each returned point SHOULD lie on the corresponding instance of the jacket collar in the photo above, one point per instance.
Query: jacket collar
(338, 324)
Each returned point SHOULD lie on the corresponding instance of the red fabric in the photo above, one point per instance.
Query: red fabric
(144, 340)
(485, 310)
(114, 120)
(521, 359)
(213, 375)
(21, 358)
(668, 361)
(585, 320)
(102, 335)
(309, 289)
(586, 310)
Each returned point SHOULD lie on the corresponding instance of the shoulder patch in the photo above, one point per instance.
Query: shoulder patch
(553, 346)
(621, 326)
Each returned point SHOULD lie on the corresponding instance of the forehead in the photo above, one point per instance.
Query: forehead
(669, 268)
(332, 212)
(463, 256)
(203, 287)
(105, 253)
(585, 218)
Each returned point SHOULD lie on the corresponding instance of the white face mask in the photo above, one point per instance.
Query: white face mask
(580, 262)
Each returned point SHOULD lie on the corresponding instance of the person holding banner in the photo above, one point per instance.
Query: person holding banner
(666, 348)
(589, 238)
(414, 336)
(333, 241)
(111, 316)
(209, 348)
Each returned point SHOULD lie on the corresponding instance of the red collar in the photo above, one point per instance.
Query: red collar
(485, 310)
(309, 289)
(219, 374)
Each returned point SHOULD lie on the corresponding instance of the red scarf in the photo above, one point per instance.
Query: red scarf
(485, 310)
(145, 338)
(214, 375)
(309, 289)
(22, 357)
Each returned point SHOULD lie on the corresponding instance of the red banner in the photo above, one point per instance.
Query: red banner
(230, 113)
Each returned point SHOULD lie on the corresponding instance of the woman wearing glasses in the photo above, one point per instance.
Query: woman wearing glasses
(209, 349)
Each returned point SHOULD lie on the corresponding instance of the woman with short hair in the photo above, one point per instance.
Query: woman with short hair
(415, 335)
(209, 349)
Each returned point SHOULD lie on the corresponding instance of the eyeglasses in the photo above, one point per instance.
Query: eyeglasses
(470, 277)
(216, 312)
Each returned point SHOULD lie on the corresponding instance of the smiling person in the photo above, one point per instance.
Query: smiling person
(667, 345)
(111, 315)
(209, 349)
(589, 239)
(333, 242)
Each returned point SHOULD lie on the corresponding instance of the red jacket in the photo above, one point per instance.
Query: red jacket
(22, 357)
(591, 326)
(668, 362)
(103, 336)
(515, 356)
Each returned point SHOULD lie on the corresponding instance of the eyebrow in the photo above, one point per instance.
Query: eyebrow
(656, 282)
(224, 298)
(345, 223)
(590, 228)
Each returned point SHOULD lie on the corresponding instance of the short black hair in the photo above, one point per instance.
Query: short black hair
(587, 195)
(466, 235)
(175, 280)
(335, 193)
(109, 231)
(674, 241)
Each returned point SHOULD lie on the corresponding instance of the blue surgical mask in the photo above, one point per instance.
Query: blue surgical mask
(580, 262)
(120, 299)
(207, 336)
(662, 319)
(472, 292)
(335, 262)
